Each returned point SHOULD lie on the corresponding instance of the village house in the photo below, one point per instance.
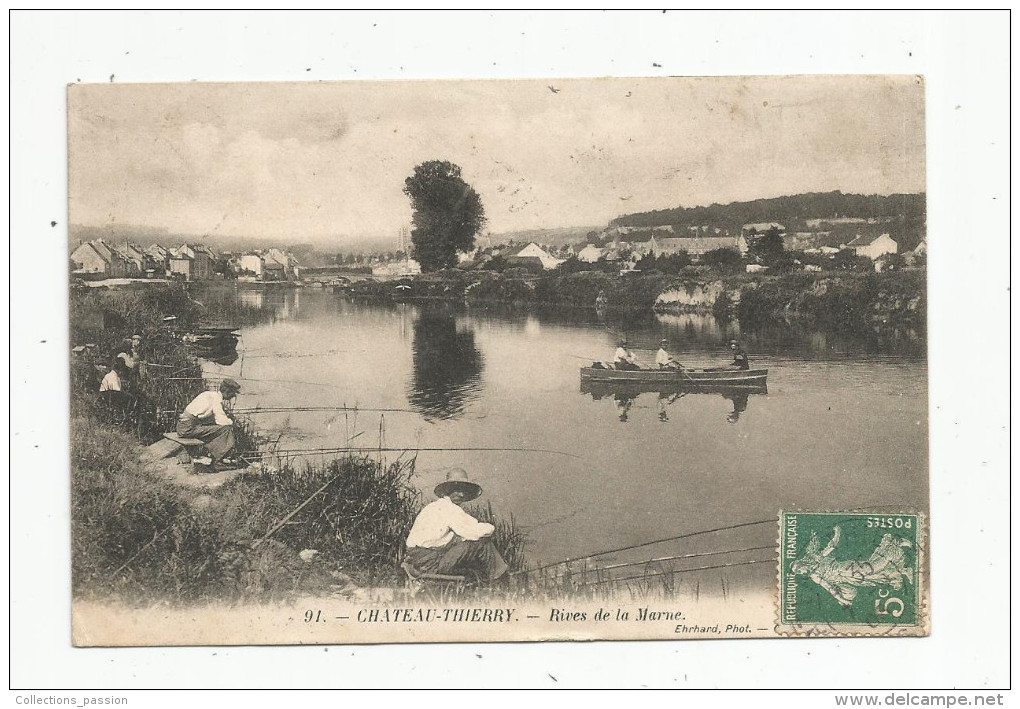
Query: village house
(399, 267)
(135, 256)
(873, 247)
(203, 260)
(534, 251)
(87, 260)
(159, 259)
(589, 254)
(97, 257)
(694, 246)
(180, 263)
(252, 263)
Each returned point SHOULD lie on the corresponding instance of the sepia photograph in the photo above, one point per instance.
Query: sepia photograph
(497, 349)
(571, 359)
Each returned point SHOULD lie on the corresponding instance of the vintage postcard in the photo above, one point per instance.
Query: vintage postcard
(451, 361)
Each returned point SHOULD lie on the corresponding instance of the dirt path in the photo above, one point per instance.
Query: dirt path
(184, 475)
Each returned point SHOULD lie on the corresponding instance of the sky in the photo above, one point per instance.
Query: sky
(322, 162)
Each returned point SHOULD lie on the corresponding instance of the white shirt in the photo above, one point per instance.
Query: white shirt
(209, 403)
(440, 521)
(662, 356)
(130, 361)
(623, 355)
(111, 382)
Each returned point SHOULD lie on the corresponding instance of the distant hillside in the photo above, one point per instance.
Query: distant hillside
(900, 215)
(794, 208)
(147, 235)
(560, 236)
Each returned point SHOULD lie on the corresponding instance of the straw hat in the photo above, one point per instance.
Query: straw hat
(457, 479)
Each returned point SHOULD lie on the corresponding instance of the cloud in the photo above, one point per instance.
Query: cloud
(315, 159)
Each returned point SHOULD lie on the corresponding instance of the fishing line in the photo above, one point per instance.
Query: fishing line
(666, 558)
(405, 449)
(771, 520)
(678, 571)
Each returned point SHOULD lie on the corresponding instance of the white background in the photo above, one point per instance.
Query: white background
(965, 61)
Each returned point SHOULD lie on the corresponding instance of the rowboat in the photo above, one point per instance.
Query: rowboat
(602, 389)
(754, 378)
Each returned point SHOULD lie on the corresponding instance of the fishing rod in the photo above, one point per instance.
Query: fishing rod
(598, 582)
(220, 375)
(405, 449)
(284, 409)
(771, 520)
(284, 355)
(674, 558)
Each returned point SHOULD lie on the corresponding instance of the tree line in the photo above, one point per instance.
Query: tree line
(812, 205)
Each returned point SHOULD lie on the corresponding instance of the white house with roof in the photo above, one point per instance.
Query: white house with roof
(873, 246)
(589, 254)
(251, 262)
(96, 256)
(533, 250)
(181, 259)
(87, 259)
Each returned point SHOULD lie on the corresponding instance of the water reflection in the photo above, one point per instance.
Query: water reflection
(446, 365)
(625, 395)
(739, 400)
(276, 304)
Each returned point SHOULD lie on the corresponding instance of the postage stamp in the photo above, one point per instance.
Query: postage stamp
(505, 388)
(851, 573)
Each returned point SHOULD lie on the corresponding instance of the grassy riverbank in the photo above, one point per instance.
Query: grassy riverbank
(139, 538)
(831, 300)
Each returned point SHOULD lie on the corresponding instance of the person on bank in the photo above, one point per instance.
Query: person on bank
(445, 539)
(739, 356)
(624, 358)
(205, 419)
(132, 354)
(663, 358)
(112, 387)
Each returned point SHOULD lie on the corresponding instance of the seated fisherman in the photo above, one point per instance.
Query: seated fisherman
(624, 358)
(739, 356)
(447, 540)
(205, 419)
(111, 389)
(663, 359)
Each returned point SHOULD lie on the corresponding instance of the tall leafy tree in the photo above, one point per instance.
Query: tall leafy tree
(448, 213)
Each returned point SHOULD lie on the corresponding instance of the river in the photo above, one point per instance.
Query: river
(843, 425)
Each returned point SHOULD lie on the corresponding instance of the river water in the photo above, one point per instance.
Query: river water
(843, 424)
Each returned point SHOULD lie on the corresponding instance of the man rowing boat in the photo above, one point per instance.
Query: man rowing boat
(624, 358)
(739, 356)
(663, 358)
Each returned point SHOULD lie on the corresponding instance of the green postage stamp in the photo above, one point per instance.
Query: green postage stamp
(851, 573)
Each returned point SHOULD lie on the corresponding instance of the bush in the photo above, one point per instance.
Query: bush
(577, 289)
(724, 261)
